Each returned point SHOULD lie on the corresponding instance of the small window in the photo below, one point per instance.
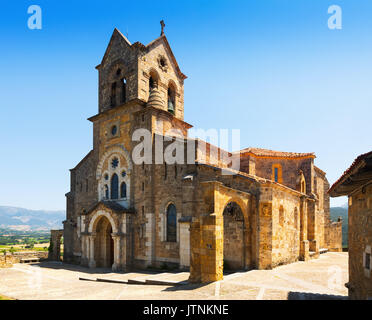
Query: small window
(114, 187)
(276, 174)
(123, 190)
(368, 261)
(114, 130)
(171, 223)
(123, 173)
(115, 163)
(162, 62)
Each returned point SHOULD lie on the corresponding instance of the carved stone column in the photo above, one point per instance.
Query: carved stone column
(92, 262)
(116, 238)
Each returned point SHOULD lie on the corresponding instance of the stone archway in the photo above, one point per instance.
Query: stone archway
(104, 244)
(233, 237)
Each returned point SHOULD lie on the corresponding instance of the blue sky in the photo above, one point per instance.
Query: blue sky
(270, 68)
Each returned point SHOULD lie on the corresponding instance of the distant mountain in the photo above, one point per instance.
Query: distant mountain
(25, 219)
(341, 212)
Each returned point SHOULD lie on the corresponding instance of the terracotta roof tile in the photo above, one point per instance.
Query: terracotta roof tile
(271, 153)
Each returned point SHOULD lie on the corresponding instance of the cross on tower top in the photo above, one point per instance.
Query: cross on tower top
(162, 27)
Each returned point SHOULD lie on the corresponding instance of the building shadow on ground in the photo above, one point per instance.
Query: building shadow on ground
(314, 296)
(186, 287)
(78, 268)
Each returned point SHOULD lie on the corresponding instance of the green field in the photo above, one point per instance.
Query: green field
(13, 240)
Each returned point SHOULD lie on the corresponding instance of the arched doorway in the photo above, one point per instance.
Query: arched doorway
(104, 244)
(233, 237)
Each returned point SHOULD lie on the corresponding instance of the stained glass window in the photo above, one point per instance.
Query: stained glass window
(114, 186)
(171, 223)
(123, 173)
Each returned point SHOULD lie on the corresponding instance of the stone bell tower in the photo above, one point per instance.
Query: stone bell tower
(131, 71)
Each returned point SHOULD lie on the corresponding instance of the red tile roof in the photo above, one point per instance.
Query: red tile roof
(277, 154)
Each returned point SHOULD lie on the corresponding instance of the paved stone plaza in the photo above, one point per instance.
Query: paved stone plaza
(322, 278)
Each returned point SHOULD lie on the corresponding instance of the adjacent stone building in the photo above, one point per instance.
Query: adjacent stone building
(187, 214)
(356, 183)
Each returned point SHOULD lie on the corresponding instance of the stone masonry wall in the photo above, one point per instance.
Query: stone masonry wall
(360, 243)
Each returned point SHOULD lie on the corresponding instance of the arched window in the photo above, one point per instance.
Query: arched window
(123, 83)
(171, 100)
(106, 191)
(113, 94)
(276, 174)
(151, 84)
(114, 186)
(123, 190)
(153, 80)
(171, 223)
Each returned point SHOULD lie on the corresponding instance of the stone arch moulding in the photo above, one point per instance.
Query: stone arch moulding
(97, 216)
(241, 203)
(111, 72)
(172, 84)
(153, 72)
(118, 148)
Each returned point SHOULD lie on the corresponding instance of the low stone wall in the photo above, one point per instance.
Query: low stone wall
(16, 257)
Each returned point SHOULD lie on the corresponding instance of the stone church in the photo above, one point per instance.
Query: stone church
(123, 215)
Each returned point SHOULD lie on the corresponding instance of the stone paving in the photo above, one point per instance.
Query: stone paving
(321, 278)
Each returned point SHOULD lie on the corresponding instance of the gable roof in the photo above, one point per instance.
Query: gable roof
(258, 152)
(111, 205)
(358, 174)
(163, 39)
(139, 45)
(115, 33)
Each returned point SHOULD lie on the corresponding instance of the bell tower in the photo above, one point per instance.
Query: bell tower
(131, 71)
